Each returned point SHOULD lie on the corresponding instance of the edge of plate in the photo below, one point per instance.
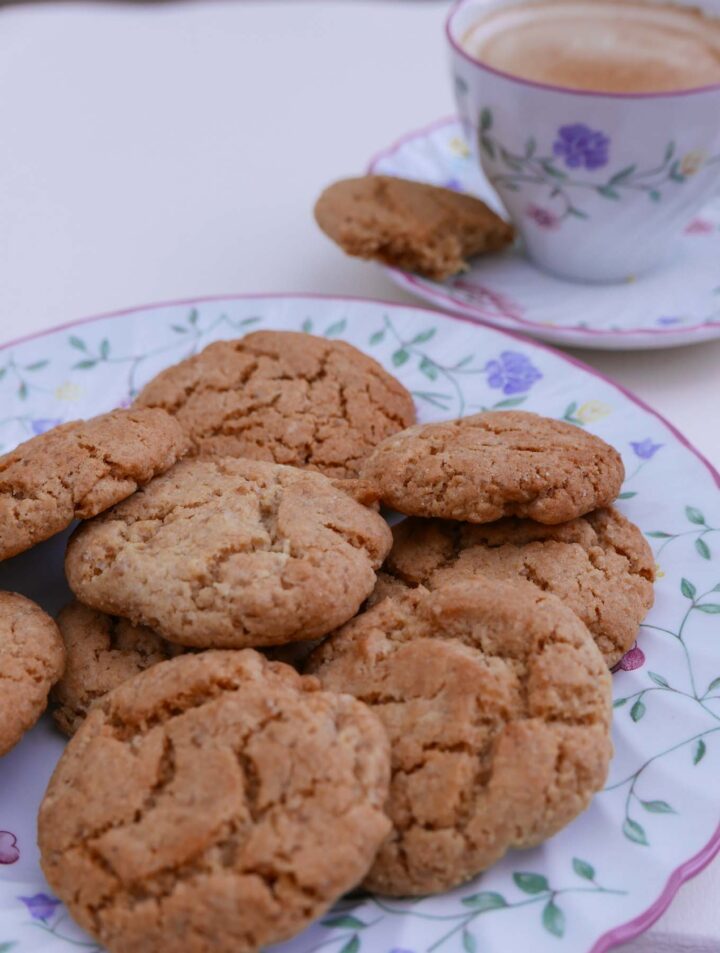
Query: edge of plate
(693, 865)
(588, 337)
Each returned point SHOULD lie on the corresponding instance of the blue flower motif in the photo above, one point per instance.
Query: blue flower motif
(646, 449)
(669, 320)
(43, 424)
(40, 906)
(579, 146)
(512, 372)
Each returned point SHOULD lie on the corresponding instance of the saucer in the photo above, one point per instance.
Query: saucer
(678, 303)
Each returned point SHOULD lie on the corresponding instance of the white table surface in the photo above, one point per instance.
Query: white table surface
(171, 150)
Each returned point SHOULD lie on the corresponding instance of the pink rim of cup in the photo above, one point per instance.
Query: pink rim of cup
(694, 865)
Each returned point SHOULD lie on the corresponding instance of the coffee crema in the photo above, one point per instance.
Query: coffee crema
(613, 46)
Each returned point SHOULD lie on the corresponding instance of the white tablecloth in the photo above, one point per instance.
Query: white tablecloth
(164, 151)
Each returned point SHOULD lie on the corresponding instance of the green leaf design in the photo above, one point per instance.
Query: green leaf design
(628, 495)
(694, 515)
(530, 147)
(193, 316)
(3, 372)
(509, 402)
(634, 832)
(658, 534)
(4, 947)
(104, 348)
(307, 326)
(468, 942)
(377, 337)
(179, 328)
(577, 213)
(607, 192)
(583, 869)
(347, 921)
(570, 410)
(654, 195)
(659, 680)
(715, 683)
(400, 357)
(619, 702)
(710, 608)
(531, 883)
(623, 174)
(487, 146)
(553, 919)
(700, 751)
(551, 170)
(487, 900)
(333, 330)
(716, 588)
(22, 390)
(486, 120)
(658, 807)
(687, 589)
(37, 366)
(77, 343)
(428, 369)
(352, 945)
(85, 365)
(702, 548)
(638, 710)
(424, 336)
(669, 152)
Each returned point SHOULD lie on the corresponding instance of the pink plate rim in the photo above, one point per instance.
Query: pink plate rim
(695, 864)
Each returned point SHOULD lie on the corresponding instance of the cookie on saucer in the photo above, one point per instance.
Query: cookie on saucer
(80, 469)
(231, 553)
(216, 801)
(31, 660)
(284, 397)
(494, 464)
(599, 565)
(497, 703)
(101, 652)
(410, 225)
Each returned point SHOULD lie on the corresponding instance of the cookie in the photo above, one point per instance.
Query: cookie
(231, 553)
(410, 225)
(600, 565)
(284, 397)
(216, 802)
(101, 652)
(80, 469)
(497, 704)
(31, 659)
(494, 464)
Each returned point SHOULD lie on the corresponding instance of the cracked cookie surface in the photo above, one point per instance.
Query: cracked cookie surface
(498, 706)
(494, 464)
(410, 225)
(600, 565)
(31, 660)
(231, 553)
(101, 652)
(79, 469)
(216, 803)
(284, 397)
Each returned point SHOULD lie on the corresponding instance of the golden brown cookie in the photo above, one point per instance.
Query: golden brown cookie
(600, 565)
(31, 660)
(216, 802)
(101, 652)
(497, 704)
(284, 397)
(494, 464)
(231, 553)
(80, 469)
(410, 225)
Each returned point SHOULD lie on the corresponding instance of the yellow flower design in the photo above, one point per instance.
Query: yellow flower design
(692, 162)
(459, 147)
(68, 391)
(593, 410)
(659, 574)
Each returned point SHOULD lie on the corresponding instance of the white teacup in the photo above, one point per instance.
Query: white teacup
(598, 184)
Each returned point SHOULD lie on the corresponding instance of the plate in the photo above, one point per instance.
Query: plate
(676, 304)
(612, 872)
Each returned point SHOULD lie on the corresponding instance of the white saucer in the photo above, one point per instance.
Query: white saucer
(676, 304)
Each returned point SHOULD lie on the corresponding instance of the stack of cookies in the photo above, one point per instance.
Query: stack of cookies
(453, 699)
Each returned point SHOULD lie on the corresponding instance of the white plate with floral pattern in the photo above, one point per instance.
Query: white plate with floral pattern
(612, 872)
(678, 303)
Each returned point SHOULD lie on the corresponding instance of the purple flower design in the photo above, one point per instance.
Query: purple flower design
(512, 372)
(646, 449)
(40, 906)
(669, 320)
(631, 660)
(455, 185)
(43, 424)
(581, 147)
(9, 852)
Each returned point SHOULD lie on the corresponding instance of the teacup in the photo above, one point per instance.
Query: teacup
(599, 185)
